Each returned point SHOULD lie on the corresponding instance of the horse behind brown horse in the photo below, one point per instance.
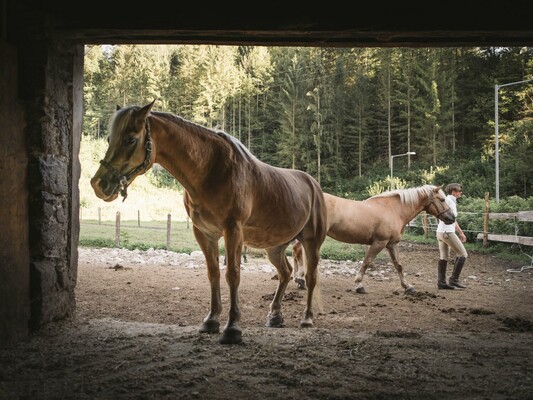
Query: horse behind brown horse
(378, 222)
(229, 193)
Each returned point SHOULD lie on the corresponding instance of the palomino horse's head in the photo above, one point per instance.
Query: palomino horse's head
(129, 153)
(436, 206)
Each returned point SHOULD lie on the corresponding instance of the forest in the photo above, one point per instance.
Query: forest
(341, 114)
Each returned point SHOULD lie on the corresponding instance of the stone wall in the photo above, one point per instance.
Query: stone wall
(40, 123)
(53, 174)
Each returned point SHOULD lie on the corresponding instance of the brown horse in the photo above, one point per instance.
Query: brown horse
(229, 193)
(378, 222)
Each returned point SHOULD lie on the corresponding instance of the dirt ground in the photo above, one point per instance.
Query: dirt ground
(135, 335)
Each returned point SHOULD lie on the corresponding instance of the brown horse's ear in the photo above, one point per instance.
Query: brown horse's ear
(146, 110)
(118, 107)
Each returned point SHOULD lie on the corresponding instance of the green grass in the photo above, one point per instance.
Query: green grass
(152, 234)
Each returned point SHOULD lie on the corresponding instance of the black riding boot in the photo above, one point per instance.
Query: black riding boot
(441, 278)
(457, 268)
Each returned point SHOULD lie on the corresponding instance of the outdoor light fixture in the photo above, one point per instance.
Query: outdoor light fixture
(409, 153)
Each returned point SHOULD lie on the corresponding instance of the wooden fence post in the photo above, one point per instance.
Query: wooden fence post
(117, 230)
(138, 217)
(426, 225)
(168, 231)
(99, 216)
(486, 221)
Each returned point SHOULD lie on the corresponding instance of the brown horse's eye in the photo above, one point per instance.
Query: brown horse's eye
(131, 140)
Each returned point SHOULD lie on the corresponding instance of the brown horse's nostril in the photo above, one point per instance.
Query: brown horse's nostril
(101, 185)
(94, 182)
(104, 189)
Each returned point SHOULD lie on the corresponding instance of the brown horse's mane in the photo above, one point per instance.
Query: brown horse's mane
(409, 196)
(121, 119)
(193, 127)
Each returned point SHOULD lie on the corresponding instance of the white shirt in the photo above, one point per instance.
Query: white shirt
(452, 203)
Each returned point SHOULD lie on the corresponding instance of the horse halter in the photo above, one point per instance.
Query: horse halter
(431, 202)
(124, 179)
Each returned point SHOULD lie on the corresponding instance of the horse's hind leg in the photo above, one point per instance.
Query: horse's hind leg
(277, 257)
(312, 257)
(394, 255)
(299, 270)
(370, 254)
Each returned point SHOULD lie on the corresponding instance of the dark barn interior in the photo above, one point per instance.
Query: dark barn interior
(41, 103)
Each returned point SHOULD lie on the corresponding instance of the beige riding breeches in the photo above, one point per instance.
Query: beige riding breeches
(450, 240)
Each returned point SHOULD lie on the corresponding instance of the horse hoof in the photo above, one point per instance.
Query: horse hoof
(210, 327)
(300, 283)
(306, 323)
(275, 321)
(360, 290)
(410, 290)
(231, 336)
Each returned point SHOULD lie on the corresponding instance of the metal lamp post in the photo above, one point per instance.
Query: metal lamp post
(409, 153)
(497, 134)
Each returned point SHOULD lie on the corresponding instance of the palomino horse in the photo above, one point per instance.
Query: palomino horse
(378, 222)
(228, 193)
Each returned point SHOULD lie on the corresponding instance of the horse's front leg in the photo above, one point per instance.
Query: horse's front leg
(371, 253)
(233, 241)
(209, 247)
(278, 258)
(394, 255)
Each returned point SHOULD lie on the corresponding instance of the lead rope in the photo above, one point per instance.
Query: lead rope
(123, 188)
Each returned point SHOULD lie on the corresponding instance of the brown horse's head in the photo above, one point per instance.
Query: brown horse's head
(129, 153)
(437, 206)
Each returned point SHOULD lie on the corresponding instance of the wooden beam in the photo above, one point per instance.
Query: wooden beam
(502, 215)
(525, 216)
(524, 240)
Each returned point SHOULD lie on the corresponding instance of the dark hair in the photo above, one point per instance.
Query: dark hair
(453, 187)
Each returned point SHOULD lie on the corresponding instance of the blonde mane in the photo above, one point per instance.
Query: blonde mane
(411, 195)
